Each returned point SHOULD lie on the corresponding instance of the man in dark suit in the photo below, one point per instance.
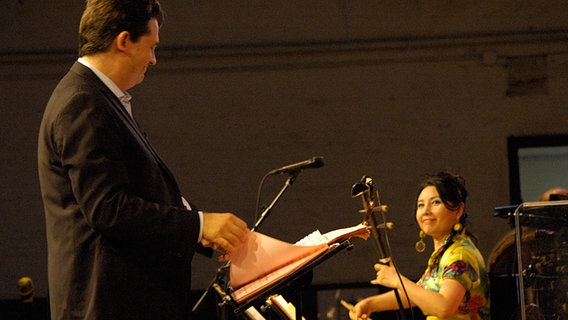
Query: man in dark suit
(120, 235)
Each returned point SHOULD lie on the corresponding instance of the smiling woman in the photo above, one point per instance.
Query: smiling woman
(436, 218)
(440, 209)
(455, 283)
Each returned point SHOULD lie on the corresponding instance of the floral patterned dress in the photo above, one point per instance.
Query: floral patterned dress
(463, 262)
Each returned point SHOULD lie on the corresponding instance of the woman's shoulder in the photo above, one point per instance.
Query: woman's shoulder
(463, 248)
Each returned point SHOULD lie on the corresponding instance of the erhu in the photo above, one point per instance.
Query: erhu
(369, 193)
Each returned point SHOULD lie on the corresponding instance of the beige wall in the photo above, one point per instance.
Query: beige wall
(391, 89)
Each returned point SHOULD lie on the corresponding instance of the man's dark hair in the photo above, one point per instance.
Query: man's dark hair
(103, 20)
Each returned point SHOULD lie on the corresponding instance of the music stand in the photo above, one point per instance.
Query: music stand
(281, 284)
(552, 215)
(532, 262)
(264, 214)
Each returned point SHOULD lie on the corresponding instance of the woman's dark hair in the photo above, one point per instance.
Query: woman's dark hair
(452, 191)
(103, 20)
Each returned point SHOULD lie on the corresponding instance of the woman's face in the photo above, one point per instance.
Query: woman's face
(432, 215)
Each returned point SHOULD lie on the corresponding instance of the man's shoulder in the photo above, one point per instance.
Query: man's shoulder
(79, 79)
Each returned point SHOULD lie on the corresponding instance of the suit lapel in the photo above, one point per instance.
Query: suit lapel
(124, 116)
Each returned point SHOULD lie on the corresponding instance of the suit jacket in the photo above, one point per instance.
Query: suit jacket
(120, 242)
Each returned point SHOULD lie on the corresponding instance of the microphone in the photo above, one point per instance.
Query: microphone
(26, 288)
(314, 162)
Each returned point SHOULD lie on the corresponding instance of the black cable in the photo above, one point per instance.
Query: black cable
(257, 209)
(389, 249)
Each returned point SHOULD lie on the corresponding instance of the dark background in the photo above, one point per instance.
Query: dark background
(390, 89)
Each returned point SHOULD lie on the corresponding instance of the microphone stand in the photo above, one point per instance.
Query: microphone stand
(266, 211)
(221, 270)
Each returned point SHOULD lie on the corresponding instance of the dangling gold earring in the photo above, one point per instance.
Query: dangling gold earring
(458, 227)
(420, 244)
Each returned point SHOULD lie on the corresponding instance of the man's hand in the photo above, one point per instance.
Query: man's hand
(223, 232)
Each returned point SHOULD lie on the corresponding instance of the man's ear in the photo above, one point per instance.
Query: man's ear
(122, 40)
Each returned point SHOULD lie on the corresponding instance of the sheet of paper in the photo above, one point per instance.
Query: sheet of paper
(253, 288)
(262, 260)
(260, 254)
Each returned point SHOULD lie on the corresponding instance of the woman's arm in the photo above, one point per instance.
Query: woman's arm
(441, 304)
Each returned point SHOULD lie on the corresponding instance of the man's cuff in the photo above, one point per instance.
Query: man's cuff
(188, 207)
(200, 213)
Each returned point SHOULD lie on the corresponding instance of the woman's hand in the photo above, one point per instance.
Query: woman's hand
(386, 275)
(361, 310)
